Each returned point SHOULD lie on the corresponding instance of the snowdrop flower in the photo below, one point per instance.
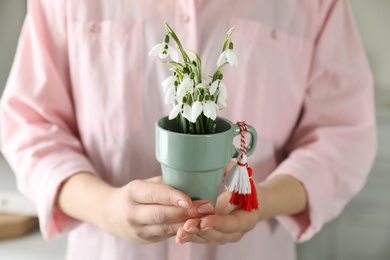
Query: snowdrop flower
(186, 85)
(228, 56)
(164, 49)
(220, 86)
(196, 104)
(170, 95)
(221, 101)
(184, 109)
(168, 83)
(209, 109)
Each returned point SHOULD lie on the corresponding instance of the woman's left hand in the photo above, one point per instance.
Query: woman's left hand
(228, 224)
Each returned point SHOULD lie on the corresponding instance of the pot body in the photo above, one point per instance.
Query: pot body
(195, 164)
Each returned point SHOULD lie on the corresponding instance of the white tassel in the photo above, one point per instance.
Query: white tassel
(237, 179)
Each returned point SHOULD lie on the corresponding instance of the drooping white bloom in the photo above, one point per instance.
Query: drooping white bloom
(187, 112)
(168, 83)
(228, 56)
(222, 89)
(221, 101)
(209, 109)
(197, 109)
(184, 109)
(170, 95)
(175, 111)
(163, 50)
(220, 86)
(186, 85)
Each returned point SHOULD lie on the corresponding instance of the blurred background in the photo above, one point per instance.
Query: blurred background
(362, 232)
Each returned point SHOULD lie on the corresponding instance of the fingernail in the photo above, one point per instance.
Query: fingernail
(183, 204)
(193, 230)
(186, 236)
(205, 208)
(207, 228)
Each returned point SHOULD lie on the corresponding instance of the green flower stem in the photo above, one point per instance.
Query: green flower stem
(198, 66)
(176, 39)
(201, 123)
(227, 38)
(218, 71)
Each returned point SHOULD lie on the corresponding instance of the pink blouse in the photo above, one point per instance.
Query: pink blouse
(83, 95)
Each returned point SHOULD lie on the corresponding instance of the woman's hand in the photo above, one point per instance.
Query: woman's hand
(148, 211)
(282, 194)
(143, 211)
(229, 224)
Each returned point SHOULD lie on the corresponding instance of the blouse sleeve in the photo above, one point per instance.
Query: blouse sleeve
(39, 136)
(333, 146)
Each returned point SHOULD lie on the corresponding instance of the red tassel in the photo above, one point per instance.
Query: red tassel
(248, 201)
(239, 179)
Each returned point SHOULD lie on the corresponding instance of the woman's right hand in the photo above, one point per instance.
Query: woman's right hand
(142, 211)
(148, 211)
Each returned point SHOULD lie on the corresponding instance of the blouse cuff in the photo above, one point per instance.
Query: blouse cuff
(53, 221)
(318, 184)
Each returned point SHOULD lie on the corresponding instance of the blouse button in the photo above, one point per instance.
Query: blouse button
(185, 18)
(94, 28)
(273, 34)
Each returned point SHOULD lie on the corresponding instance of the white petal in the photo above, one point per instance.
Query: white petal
(213, 109)
(232, 58)
(187, 113)
(221, 101)
(222, 59)
(167, 83)
(213, 87)
(156, 50)
(173, 53)
(184, 86)
(170, 96)
(175, 111)
(197, 109)
(222, 89)
(206, 110)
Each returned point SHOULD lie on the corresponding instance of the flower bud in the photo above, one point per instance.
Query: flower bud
(166, 39)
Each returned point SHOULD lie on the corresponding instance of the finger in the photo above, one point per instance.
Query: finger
(208, 236)
(236, 221)
(183, 236)
(146, 192)
(211, 236)
(156, 179)
(186, 233)
(223, 205)
(156, 233)
(144, 214)
(192, 226)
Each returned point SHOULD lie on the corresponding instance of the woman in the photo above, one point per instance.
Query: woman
(79, 109)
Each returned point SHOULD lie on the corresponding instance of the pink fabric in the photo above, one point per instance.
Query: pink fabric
(83, 95)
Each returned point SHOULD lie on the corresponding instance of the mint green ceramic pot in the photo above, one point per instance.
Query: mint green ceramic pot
(195, 164)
